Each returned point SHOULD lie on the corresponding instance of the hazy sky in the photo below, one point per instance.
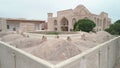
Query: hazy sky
(38, 9)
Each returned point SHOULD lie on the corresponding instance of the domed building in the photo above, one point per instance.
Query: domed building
(66, 19)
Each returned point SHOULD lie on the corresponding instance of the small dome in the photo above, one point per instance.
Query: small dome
(103, 36)
(84, 44)
(56, 50)
(25, 42)
(5, 33)
(11, 37)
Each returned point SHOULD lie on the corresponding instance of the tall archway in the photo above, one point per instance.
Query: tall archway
(64, 24)
(100, 22)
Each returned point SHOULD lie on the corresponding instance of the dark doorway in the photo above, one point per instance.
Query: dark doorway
(64, 24)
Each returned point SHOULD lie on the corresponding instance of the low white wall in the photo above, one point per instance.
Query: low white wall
(101, 56)
(11, 57)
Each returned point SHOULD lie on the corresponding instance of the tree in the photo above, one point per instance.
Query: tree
(114, 28)
(84, 25)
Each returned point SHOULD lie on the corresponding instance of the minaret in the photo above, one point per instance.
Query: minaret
(50, 22)
(50, 15)
(3, 24)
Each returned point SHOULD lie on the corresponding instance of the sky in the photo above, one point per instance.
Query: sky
(38, 9)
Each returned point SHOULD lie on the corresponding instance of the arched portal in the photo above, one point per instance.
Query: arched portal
(64, 24)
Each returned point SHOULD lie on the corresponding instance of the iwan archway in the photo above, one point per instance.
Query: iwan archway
(64, 24)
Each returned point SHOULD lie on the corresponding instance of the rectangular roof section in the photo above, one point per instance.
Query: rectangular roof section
(25, 20)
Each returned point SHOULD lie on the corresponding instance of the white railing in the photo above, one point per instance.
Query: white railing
(101, 56)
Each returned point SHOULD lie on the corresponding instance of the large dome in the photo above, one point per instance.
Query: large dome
(81, 10)
(56, 50)
(80, 6)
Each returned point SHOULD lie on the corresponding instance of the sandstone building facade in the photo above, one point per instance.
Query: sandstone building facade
(66, 19)
(8, 24)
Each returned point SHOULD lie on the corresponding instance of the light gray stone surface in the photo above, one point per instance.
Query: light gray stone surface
(11, 57)
(101, 56)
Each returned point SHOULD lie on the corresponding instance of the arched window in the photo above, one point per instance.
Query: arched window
(95, 19)
(98, 22)
(73, 21)
(55, 29)
(55, 22)
(64, 22)
(104, 23)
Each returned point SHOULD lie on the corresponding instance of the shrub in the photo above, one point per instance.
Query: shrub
(53, 33)
(114, 29)
(84, 25)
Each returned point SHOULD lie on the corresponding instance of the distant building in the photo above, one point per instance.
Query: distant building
(66, 19)
(8, 24)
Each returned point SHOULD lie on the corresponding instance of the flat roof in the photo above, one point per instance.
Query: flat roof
(25, 20)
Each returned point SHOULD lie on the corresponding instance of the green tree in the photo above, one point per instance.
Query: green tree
(114, 28)
(84, 25)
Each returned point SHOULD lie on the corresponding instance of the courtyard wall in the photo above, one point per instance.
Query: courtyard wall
(102, 56)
